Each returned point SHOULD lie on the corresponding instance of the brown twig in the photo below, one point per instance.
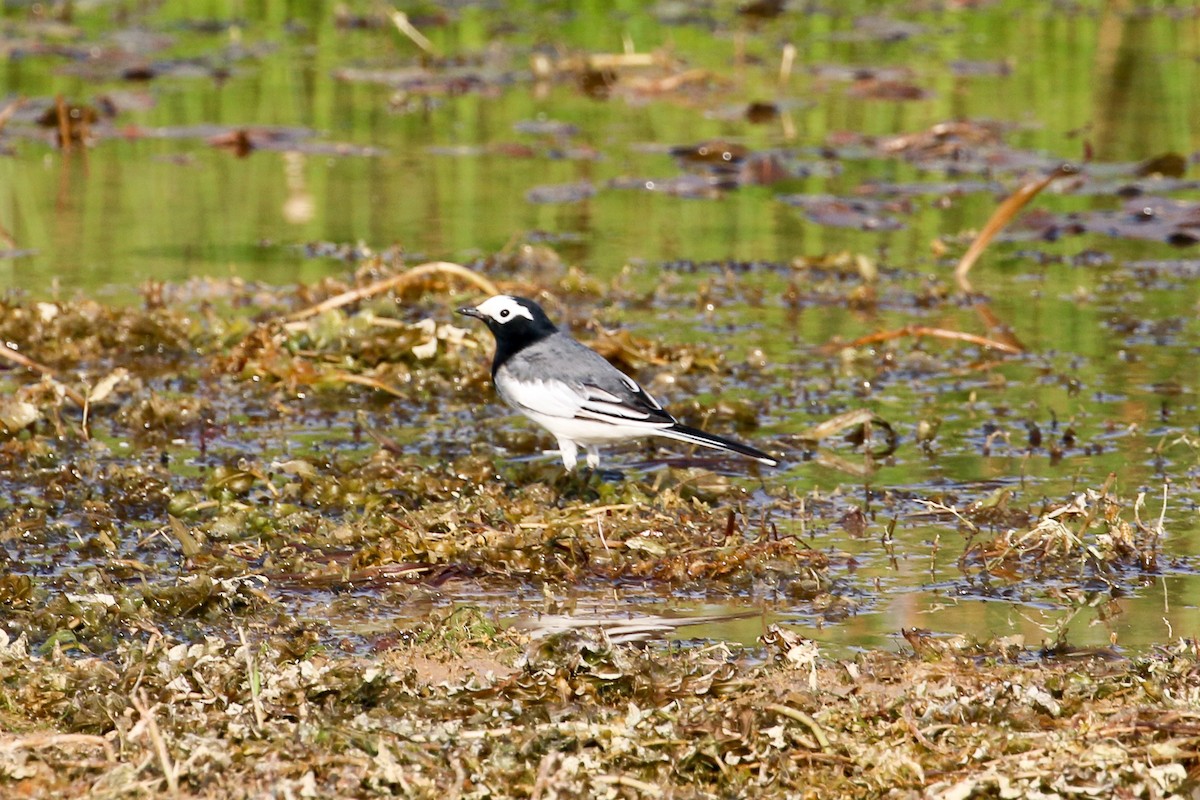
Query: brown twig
(996, 328)
(385, 442)
(804, 719)
(671, 83)
(7, 112)
(940, 333)
(911, 723)
(619, 60)
(647, 789)
(59, 740)
(835, 425)
(396, 282)
(405, 26)
(160, 745)
(365, 380)
(786, 63)
(1001, 217)
(9, 354)
(545, 67)
(64, 126)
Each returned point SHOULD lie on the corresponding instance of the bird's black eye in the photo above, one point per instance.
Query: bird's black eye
(505, 313)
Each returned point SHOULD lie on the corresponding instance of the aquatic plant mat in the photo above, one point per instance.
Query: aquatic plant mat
(459, 710)
(282, 542)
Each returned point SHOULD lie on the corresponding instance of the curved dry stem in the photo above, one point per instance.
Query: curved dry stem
(7, 112)
(44, 741)
(937, 333)
(804, 719)
(1001, 217)
(20, 359)
(365, 380)
(404, 25)
(396, 282)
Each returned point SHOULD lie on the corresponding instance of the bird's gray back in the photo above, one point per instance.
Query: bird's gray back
(560, 357)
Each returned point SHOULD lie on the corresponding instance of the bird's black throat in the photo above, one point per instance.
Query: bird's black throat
(515, 335)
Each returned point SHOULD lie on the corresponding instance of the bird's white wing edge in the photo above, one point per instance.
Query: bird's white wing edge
(601, 409)
(560, 399)
(636, 389)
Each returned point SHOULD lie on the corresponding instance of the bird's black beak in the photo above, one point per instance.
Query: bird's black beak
(471, 311)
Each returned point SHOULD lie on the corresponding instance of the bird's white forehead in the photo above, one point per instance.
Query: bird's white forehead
(503, 308)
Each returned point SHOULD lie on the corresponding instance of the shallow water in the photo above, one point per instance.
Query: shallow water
(457, 161)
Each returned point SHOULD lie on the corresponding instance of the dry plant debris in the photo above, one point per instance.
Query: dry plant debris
(460, 708)
(220, 575)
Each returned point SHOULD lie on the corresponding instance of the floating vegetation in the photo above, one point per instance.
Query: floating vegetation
(274, 536)
(460, 704)
(190, 587)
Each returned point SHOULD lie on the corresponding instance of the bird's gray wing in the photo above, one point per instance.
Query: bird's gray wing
(561, 377)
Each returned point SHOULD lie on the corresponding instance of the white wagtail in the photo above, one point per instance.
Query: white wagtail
(572, 391)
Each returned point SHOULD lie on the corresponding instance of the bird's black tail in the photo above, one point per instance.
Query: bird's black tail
(685, 434)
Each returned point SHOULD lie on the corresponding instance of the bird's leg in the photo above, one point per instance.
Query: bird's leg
(577, 481)
(587, 473)
(593, 462)
(570, 454)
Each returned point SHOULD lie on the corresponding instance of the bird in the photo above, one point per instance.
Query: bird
(574, 392)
